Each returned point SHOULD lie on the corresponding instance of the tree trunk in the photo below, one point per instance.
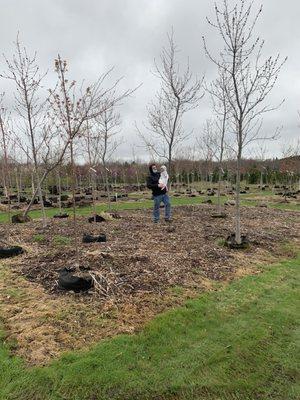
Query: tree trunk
(237, 200)
(92, 180)
(169, 167)
(34, 194)
(39, 189)
(6, 180)
(219, 191)
(107, 185)
(59, 192)
(138, 180)
(74, 203)
(18, 187)
(32, 185)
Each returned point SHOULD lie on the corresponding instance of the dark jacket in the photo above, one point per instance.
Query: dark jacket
(152, 183)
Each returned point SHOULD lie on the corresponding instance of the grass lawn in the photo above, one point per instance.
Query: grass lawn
(237, 343)
(144, 204)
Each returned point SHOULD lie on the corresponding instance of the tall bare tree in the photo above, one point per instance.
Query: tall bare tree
(261, 152)
(24, 71)
(92, 148)
(220, 108)
(136, 162)
(179, 93)
(207, 146)
(291, 148)
(249, 79)
(5, 139)
(101, 142)
(108, 125)
(72, 107)
(291, 159)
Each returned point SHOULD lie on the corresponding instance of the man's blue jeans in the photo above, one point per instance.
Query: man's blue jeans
(157, 200)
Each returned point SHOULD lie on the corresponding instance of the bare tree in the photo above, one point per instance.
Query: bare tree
(92, 147)
(18, 168)
(179, 93)
(71, 110)
(261, 152)
(220, 124)
(108, 124)
(72, 107)
(249, 80)
(49, 154)
(24, 71)
(136, 163)
(101, 142)
(290, 148)
(5, 139)
(207, 145)
(291, 160)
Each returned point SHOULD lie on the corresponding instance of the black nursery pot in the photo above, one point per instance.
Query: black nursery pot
(67, 280)
(6, 252)
(209, 201)
(96, 218)
(219, 215)
(94, 238)
(64, 215)
(20, 219)
(232, 244)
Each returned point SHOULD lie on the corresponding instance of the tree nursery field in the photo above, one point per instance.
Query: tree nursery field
(149, 200)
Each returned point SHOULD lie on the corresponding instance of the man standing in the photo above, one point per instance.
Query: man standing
(159, 192)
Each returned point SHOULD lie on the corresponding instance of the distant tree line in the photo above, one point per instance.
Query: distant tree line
(267, 172)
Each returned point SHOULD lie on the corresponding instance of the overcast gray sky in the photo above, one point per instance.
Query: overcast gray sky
(128, 34)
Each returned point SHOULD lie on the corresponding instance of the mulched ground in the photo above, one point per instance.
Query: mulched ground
(142, 270)
(140, 256)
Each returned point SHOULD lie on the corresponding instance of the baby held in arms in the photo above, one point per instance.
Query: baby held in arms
(164, 177)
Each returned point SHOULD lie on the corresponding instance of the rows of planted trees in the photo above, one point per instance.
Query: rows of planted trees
(132, 175)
